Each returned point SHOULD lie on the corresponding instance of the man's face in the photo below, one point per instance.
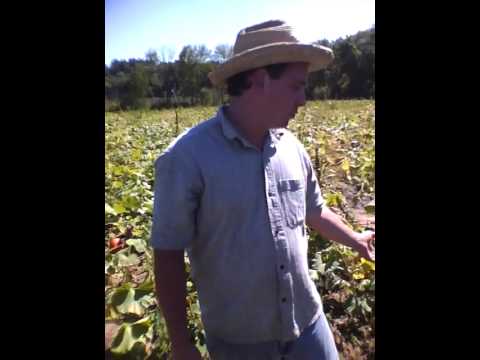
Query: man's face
(285, 95)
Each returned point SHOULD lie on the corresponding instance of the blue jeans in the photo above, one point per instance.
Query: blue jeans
(315, 343)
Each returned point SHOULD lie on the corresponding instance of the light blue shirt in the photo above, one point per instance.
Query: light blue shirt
(240, 215)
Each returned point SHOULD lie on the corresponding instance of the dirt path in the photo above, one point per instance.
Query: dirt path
(365, 220)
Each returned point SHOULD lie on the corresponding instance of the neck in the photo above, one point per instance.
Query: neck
(248, 121)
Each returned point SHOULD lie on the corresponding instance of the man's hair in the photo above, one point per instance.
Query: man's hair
(238, 83)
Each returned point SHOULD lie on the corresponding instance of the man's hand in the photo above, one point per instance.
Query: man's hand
(187, 352)
(331, 226)
(365, 244)
(170, 282)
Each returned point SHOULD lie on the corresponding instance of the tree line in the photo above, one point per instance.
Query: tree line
(155, 83)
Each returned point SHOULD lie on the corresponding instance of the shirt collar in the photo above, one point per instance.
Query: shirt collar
(276, 134)
(230, 132)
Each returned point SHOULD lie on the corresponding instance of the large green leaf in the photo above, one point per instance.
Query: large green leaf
(136, 154)
(148, 286)
(117, 184)
(109, 210)
(126, 259)
(138, 244)
(141, 327)
(117, 170)
(120, 294)
(131, 202)
(125, 340)
(119, 208)
(334, 199)
(319, 265)
(345, 165)
(125, 303)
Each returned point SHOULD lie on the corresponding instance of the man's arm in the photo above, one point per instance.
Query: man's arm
(331, 226)
(170, 282)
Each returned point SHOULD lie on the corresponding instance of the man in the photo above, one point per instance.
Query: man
(235, 192)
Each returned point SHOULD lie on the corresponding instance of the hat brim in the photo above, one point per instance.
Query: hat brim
(317, 56)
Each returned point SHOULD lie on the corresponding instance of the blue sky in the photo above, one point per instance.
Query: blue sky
(132, 27)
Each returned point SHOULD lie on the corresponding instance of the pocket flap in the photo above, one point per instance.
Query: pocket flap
(289, 185)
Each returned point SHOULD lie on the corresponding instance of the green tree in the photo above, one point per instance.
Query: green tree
(136, 88)
(192, 71)
(348, 61)
(222, 52)
(152, 57)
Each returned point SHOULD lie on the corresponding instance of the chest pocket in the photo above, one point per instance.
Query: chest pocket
(292, 196)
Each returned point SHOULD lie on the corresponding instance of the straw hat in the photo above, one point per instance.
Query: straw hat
(270, 42)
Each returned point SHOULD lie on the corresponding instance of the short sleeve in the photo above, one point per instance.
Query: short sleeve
(176, 200)
(314, 199)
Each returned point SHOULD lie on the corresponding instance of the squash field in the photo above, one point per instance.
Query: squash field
(340, 138)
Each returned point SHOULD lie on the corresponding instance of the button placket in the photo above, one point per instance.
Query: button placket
(280, 243)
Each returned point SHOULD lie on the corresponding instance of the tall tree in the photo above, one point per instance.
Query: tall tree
(351, 74)
(152, 57)
(167, 54)
(191, 73)
(222, 52)
(136, 88)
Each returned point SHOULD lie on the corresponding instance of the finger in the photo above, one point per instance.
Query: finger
(371, 255)
(370, 244)
(369, 232)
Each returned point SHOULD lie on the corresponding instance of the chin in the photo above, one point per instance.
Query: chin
(282, 123)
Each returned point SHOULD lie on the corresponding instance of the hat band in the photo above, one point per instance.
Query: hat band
(255, 39)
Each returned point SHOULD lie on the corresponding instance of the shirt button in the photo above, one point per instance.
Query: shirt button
(284, 300)
(282, 267)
